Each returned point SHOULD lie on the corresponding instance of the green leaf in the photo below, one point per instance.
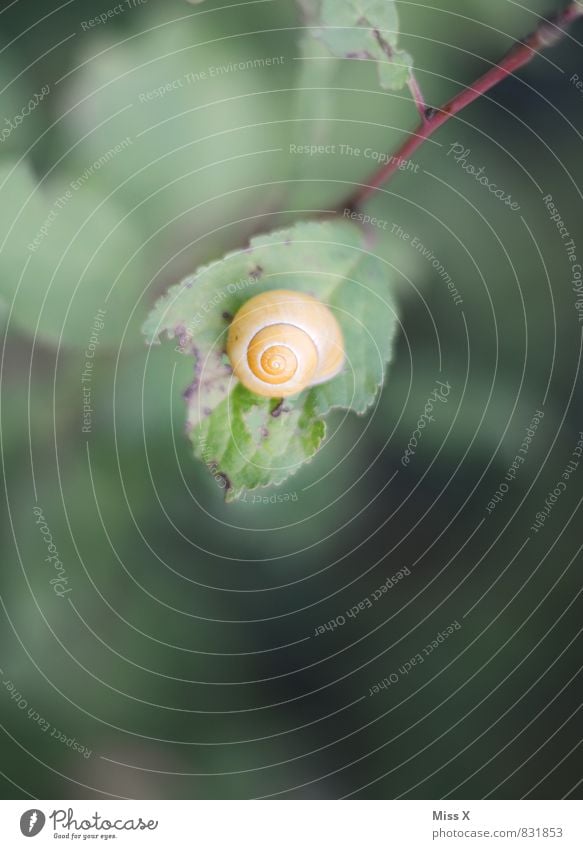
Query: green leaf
(245, 437)
(362, 29)
(364, 307)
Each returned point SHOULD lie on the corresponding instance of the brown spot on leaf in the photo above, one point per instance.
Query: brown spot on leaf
(184, 339)
(383, 44)
(190, 390)
(223, 476)
(279, 409)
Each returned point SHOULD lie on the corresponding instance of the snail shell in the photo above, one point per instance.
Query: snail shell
(281, 342)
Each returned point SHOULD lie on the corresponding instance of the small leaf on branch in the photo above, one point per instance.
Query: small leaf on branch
(252, 441)
(362, 29)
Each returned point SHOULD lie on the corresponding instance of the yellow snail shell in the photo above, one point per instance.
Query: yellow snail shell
(281, 342)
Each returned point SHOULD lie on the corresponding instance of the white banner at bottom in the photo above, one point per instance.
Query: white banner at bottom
(294, 824)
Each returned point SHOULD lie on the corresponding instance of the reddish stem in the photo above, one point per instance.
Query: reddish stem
(548, 33)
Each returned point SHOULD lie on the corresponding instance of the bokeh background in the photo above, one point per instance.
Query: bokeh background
(182, 660)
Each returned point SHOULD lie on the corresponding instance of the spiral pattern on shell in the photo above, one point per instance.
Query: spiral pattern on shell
(281, 342)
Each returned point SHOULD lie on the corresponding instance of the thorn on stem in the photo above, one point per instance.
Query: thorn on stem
(550, 33)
